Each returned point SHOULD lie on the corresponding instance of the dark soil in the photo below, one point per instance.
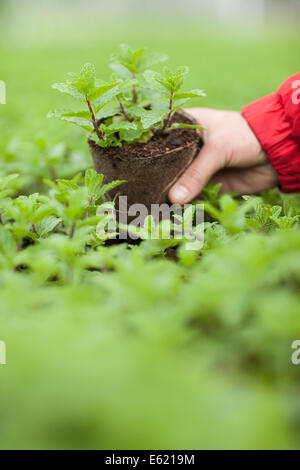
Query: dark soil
(159, 143)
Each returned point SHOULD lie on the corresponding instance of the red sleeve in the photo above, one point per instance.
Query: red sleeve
(275, 120)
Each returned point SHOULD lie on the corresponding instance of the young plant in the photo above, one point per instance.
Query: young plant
(76, 205)
(136, 103)
(128, 63)
(170, 84)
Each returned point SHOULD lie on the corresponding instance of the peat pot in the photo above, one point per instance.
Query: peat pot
(150, 168)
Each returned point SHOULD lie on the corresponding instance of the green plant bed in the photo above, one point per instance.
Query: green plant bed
(141, 347)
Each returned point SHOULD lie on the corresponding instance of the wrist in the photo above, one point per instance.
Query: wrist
(266, 117)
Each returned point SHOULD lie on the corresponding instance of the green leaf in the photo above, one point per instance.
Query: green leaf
(46, 225)
(93, 182)
(7, 241)
(85, 82)
(128, 61)
(155, 78)
(70, 90)
(6, 184)
(107, 187)
(67, 184)
(104, 95)
(41, 213)
(81, 85)
(171, 81)
(118, 126)
(108, 110)
(121, 71)
(149, 118)
(88, 75)
(66, 113)
(189, 94)
(130, 135)
(181, 125)
(77, 118)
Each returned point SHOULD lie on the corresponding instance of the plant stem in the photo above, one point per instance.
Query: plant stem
(91, 202)
(34, 229)
(167, 121)
(134, 95)
(72, 231)
(52, 173)
(122, 109)
(94, 120)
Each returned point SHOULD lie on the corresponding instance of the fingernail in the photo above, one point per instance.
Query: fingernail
(180, 194)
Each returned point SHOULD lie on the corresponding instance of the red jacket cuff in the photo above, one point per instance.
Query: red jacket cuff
(267, 118)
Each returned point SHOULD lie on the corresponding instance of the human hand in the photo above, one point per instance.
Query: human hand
(231, 155)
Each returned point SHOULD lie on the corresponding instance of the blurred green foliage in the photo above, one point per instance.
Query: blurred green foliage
(143, 346)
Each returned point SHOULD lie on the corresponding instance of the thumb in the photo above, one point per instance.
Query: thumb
(191, 183)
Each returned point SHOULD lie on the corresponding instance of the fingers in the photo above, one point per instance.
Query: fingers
(208, 162)
(246, 181)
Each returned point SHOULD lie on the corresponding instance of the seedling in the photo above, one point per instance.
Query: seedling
(135, 104)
